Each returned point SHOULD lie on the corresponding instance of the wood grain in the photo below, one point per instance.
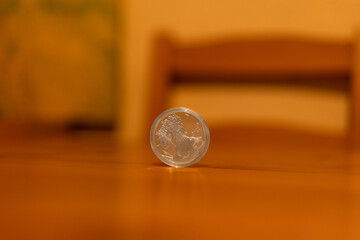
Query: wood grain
(250, 185)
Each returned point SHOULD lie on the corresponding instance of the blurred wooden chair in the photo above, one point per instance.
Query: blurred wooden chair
(250, 58)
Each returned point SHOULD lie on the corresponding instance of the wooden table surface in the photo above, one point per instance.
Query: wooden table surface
(250, 185)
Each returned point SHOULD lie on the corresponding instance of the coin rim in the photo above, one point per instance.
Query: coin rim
(197, 117)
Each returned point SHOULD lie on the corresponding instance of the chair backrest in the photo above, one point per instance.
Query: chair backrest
(246, 58)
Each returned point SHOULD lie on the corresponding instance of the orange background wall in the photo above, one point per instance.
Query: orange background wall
(196, 20)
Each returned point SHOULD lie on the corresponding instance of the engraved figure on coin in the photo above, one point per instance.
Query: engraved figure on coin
(173, 137)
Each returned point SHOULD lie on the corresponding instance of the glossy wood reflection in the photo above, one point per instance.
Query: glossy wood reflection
(260, 185)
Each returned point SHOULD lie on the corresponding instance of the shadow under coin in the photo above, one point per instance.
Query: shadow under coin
(163, 168)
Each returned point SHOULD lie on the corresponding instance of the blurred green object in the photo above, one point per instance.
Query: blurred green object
(58, 60)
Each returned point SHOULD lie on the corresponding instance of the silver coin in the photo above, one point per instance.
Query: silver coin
(179, 137)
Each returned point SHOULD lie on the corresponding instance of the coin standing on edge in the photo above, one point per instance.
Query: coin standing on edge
(179, 137)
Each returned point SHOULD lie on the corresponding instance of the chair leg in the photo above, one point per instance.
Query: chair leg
(355, 93)
(160, 81)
